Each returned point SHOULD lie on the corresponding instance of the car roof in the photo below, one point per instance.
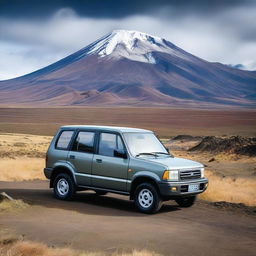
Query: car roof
(105, 128)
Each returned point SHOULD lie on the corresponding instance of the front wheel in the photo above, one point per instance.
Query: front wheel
(147, 198)
(63, 187)
(186, 201)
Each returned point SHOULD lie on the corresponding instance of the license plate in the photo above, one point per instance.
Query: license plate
(193, 187)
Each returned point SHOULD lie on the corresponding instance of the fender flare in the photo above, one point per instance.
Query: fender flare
(139, 176)
(62, 166)
(147, 174)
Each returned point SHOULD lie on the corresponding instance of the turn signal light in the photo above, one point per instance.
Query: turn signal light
(166, 175)
(172, 175)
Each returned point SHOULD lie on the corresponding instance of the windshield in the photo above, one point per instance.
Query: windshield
(144, 143)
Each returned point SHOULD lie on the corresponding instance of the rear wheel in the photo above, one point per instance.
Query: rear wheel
(63, 187)
(186, 201)
(147, 198)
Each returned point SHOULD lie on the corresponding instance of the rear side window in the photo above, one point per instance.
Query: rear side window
(64, 139)
(84, 142)
(108, 143)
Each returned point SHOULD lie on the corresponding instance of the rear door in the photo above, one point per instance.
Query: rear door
(81, 156)
(109, 171)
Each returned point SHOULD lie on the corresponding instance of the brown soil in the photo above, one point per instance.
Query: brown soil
(110, 223)
(234, 144)
(248, 150)
(166, 122)
(186, 137)
(251, 210)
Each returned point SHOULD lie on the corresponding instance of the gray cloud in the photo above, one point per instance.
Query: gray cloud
(225, 34)
(113, 8)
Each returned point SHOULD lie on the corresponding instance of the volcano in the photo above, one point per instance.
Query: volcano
(130, 68)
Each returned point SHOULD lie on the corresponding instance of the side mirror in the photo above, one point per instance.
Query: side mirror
(120, 153)
(167, 149)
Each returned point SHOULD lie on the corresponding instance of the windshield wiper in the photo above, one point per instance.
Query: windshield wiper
(161, 153)
(149, 154)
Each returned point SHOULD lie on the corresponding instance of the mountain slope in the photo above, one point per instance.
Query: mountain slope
(132, 68)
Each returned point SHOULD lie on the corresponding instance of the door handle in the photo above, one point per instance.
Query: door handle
(99, 160)
(72, 157)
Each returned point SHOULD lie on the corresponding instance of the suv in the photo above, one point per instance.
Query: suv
(121, 160)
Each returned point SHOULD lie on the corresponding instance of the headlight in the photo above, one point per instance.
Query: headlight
(171, 175)
(202, 172)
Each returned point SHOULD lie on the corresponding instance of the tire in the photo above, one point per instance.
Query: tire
(186, 201)
(147, 198)
(64, 187)
(100, 193)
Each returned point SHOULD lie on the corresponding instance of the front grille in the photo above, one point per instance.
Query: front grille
(190, 174)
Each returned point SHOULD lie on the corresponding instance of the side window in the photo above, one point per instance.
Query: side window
(64, 139)
(108, 143)
(84, 142)
(120, 144)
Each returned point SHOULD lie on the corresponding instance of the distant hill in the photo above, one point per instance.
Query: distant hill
(133, 68)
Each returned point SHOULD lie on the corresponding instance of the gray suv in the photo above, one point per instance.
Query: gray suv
(121, 160)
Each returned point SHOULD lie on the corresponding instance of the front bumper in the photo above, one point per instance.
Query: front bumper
(181, 187)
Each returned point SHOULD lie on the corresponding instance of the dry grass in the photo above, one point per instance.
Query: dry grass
(11, 246)
(12, 206)
(238, 185)
(229, 189)
(22, 168)
(231, 178)
(22, 156)
(14, 145)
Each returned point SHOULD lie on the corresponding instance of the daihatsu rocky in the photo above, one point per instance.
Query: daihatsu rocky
(121, 160)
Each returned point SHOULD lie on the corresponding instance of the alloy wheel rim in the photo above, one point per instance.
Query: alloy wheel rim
(145, 198)
(62, 187)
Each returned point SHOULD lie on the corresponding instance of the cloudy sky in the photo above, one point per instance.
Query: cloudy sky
(36, 33)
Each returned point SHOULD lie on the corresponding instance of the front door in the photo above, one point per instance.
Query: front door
(81, 156)
(109, 171)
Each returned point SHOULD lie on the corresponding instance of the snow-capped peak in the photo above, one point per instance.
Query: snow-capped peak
(132, 45)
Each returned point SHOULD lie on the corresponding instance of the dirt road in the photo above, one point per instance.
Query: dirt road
(110, 223)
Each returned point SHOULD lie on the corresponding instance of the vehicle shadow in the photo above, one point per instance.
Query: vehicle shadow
(84, 202)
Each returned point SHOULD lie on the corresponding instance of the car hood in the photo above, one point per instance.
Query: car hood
(176, 162)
